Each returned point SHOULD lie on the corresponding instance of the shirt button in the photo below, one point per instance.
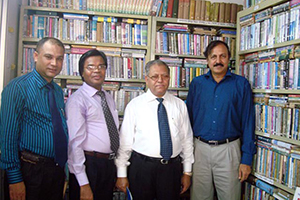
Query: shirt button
(216, 96)
(214, 122)
(215, 108)
(56, 164)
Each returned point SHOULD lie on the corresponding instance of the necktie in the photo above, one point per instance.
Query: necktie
(59, 136)
(164, 131)
(111, 126)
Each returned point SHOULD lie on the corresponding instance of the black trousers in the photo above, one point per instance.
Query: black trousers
(43, 180)
(149, 179)
(101, 173)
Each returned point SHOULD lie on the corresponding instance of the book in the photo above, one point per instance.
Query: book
(192, 9)
(170, 8)
(227, 13)
(175, 9)
(221, 17)
(197, 9)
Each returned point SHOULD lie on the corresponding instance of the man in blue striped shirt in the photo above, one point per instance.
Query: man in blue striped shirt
(221, 111)
(27, 144)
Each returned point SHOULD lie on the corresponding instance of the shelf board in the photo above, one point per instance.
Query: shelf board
(258, 7)
(283, 44)
(269, 91)
(195, 22)
(276, 137)
(106, 79)
(95, 44)
(275, 183)
(179, 55)
(178, 89)
(87, 12)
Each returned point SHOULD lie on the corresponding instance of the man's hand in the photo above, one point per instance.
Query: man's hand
(185, 183)
(122, 183)
(17, 191)
(244, 172)
(86, 192)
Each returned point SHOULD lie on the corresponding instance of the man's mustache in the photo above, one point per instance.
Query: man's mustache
(218, 64)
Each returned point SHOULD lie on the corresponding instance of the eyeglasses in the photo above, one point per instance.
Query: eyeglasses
(156, 77)
(94, 67)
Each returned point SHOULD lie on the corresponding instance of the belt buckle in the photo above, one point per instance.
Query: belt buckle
(213, 142)
(164, 162)
(111, 156)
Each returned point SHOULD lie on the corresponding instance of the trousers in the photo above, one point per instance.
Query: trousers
(216, 166)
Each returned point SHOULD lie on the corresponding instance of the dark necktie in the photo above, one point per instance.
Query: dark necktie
(164, 131)
(111, 125)
(59, 136)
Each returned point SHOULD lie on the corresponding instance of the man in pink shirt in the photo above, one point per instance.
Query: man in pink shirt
(91, 150)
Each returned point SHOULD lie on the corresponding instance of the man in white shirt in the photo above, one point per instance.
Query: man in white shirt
(91, 154)
(151, 175)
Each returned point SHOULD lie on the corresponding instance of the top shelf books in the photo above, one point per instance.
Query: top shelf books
(135, 7)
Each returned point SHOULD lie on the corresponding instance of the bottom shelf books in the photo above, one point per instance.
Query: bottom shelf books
(256, 189)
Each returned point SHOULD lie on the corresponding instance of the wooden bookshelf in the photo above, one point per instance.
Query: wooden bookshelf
(241, 54)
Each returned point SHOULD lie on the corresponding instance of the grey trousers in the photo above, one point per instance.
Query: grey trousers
(219, 166)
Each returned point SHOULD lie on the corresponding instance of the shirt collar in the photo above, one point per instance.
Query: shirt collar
(40, 81)
(209, 75)
(151, 97)
(91, 91)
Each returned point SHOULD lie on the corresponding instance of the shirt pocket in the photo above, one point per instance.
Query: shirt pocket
(174, 127)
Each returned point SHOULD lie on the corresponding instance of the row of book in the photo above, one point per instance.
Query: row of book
(187, 43)
(284, 74)
(121, 63)
(249, 3)
(138, 7)
(278, 161)
(182, 71)
(196, 10)
(271, 26)
(184, 9)
(256, 189)
(80, 28)
(278, 115)
(121, 92)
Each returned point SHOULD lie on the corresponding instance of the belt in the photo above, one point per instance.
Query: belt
(109, 156)
(33, 158)
(216, 142)
(158, 160)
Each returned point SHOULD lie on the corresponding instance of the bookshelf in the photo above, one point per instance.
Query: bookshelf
(267, 56)
(183, 50)
(122, 37)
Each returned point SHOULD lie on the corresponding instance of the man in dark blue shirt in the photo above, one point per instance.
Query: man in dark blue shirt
(29, 135)
(221, 111)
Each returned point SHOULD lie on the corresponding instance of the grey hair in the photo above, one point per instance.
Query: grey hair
(155, 62)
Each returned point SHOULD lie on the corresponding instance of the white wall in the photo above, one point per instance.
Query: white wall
(8, 40)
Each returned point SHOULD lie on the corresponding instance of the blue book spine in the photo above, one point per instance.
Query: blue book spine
(41, 27)
(188, 44)
(164, 9)
(295, 135)
(165, 42)
(266, 119)
(158, 7)
(264, 186)
(137, 34)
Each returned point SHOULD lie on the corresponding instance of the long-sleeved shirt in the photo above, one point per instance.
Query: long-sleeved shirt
(140, 132)
(223, 110)
(87, 128)
(25, 121)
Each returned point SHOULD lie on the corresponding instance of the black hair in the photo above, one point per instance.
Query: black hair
(92, 52)
(212, 45)
(52, 40)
